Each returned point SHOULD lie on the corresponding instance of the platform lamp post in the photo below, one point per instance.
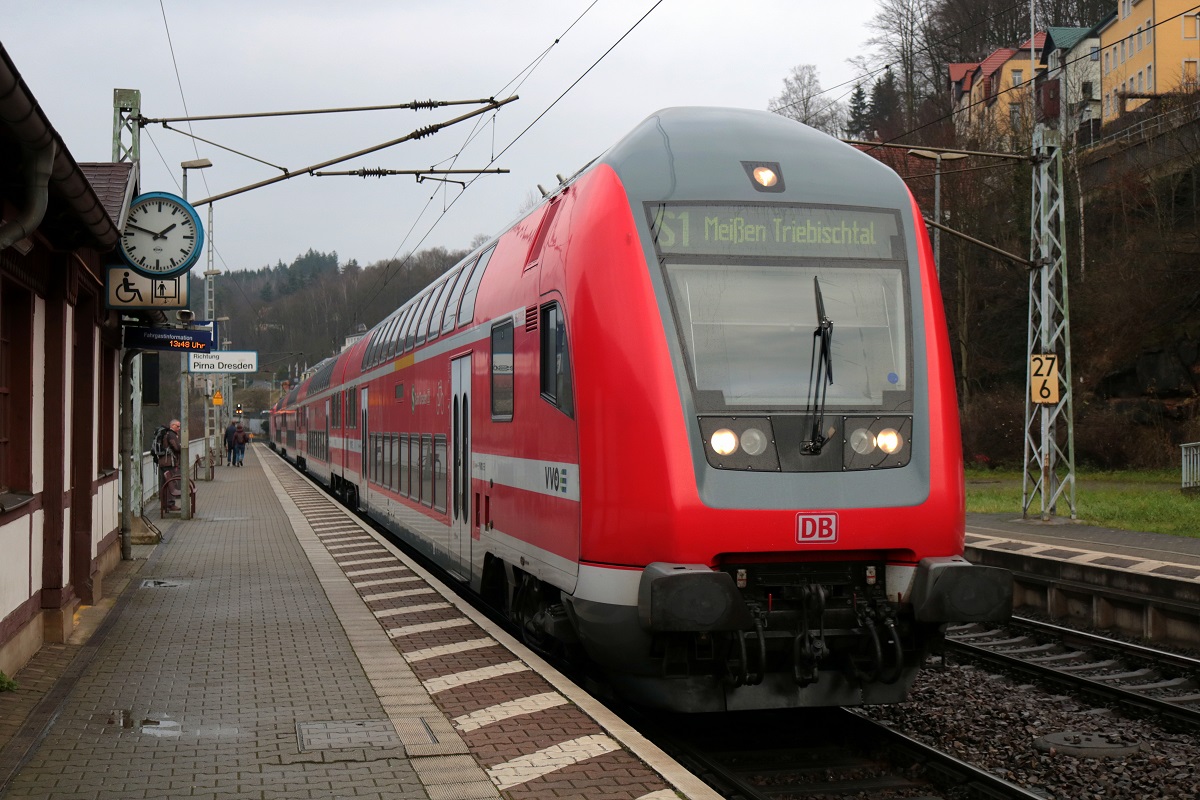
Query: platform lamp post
(213, 411)
(185, 506)
(937, 157)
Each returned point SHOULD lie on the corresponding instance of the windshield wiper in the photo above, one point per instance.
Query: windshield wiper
(821, 376)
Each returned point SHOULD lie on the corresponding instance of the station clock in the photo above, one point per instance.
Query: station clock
(162, 235)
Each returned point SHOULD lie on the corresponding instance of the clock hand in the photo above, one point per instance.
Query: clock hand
(163, 233)
(139, 228)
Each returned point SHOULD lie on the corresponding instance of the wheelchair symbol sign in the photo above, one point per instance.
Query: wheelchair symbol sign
(130, 289)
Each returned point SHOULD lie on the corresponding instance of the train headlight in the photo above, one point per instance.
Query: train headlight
(876, 442)
(754, 442)
(739, 443)
(724, 442)
(862, 441)
(765, 176)
(889, 441)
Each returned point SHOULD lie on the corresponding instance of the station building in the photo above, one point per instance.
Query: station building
(60, 357)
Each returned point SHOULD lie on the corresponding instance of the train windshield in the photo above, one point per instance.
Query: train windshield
(741, 286)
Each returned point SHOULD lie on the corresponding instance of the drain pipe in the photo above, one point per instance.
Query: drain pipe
(37, 185)
(128, 461)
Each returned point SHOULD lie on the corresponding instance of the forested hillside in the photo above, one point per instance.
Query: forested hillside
(1132, 242)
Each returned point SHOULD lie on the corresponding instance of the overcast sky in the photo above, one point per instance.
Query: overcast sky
(240, 57)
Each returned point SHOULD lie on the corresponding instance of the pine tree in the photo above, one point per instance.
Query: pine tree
(887, 121)
(859, 125)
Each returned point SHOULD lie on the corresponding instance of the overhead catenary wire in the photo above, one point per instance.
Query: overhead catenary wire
(385, 277)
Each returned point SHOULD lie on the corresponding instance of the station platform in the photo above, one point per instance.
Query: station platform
(1064, 539)
(275, 647)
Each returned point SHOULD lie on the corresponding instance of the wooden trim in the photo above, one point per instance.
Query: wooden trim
(31, 271)
(11, 625)
(22, 510)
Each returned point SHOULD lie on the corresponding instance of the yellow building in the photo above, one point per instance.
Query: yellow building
(1150, 48)
(1001, 92)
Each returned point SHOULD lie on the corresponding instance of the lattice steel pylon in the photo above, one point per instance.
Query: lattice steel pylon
(1049, 407)
(127, 108)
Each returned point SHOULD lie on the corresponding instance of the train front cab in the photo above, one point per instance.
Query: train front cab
(796, 499)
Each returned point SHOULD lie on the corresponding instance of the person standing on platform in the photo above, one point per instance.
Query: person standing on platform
(167, 448)
(240, 437)
(229, 432)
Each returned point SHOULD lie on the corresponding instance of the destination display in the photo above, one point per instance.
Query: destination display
(772, 230)
(152, 338)
(224, 361)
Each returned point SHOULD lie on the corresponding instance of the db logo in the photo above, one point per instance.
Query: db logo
(812, 528)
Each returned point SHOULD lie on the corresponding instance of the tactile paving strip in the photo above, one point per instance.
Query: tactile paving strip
(531, 740)
(1144, 566)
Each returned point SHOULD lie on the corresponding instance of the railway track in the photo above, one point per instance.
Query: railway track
(1145, 679)
(817, 754)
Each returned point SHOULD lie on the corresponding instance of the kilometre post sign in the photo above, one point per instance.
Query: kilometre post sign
(224, 361)
(1043, 378)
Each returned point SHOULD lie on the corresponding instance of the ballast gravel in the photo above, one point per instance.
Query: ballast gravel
(996, 723)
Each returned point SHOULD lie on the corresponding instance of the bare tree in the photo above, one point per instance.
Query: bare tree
(805, 101)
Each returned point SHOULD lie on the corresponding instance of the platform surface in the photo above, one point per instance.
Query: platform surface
(274, 647)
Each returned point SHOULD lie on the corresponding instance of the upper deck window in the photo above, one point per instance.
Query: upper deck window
(740, 279)
(466, 311)
(410, 337)
(454, 295)
(426, 331)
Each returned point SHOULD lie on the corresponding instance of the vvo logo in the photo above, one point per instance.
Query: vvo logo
(556, 479)
(816, 528)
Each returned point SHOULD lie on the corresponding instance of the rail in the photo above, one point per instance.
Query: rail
(1191, 467)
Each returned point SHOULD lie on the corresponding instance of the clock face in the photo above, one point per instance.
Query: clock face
(162, 234)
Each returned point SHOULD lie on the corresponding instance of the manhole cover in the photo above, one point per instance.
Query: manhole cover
(1088, 745)
(344, 735)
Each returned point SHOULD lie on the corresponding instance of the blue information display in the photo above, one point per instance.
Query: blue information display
(188, 341)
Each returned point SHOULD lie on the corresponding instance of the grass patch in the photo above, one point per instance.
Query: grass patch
(7, 684)
(1137, 501)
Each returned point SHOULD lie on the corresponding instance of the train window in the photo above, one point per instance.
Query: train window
(428, 332)
(393, 463)
(426, 469)
(454, 295)
(397, 345)
(435, 324)
(374, 352)
(366, 358)
(402, 339)
(466, 311)
(388, 346)
(410, 337)
(352, 408)
(377, 458)
(335, 410)
(556, 361)
(404, 462)
(439, 472)
(502, 371)
(741, 335)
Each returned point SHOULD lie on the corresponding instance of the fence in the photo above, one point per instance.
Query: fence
(150, 470)
(1191, 467)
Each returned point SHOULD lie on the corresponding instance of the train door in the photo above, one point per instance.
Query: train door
(460, 463)
(363, 450)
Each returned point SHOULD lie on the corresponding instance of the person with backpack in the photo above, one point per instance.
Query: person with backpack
(240, 437)
(165, 448)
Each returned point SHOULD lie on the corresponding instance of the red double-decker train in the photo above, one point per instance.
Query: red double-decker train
(693, 415)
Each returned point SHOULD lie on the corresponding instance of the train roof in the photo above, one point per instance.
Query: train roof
(691, 153)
